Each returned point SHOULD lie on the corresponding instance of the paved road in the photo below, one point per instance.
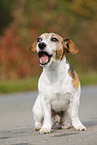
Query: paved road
(17, 125)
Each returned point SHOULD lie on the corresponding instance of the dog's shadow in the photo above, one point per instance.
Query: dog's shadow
(90, 123)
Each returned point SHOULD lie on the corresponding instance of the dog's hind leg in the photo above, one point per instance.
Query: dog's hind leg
(64, 120)
(38, 114)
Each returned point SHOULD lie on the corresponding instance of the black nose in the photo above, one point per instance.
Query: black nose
(41, 45)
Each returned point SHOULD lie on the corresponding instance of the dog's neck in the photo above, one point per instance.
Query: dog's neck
(56, 70)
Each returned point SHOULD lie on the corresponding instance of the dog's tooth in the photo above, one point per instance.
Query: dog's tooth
(40, 61)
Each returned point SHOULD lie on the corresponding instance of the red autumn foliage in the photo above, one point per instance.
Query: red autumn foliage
(15, 61)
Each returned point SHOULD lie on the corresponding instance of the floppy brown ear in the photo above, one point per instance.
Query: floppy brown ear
(33, 47)
(69, 46)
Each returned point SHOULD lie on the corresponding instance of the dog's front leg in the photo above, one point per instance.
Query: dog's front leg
(46, 107)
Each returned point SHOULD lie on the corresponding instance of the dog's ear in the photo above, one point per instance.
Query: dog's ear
(33, 47)
(69, 46)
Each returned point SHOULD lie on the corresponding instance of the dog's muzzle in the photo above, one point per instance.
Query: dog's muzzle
(44, 57)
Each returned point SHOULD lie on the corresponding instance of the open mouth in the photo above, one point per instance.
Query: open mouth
(44, 57)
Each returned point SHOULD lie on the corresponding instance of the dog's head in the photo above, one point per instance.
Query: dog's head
(51, 46)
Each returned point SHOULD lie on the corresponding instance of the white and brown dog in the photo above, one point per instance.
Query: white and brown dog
(58, 86)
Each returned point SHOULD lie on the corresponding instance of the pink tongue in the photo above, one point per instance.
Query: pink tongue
(44, 58)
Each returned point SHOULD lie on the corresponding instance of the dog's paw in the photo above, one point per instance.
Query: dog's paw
(44, 131)
(80, 127)
(37, 126)
(66, 125)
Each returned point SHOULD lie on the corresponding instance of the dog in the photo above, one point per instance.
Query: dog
(59, 86)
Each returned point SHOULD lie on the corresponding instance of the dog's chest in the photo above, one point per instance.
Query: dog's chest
(58, 97)
(60, 102)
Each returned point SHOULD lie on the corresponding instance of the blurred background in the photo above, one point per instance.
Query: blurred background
(22, 21)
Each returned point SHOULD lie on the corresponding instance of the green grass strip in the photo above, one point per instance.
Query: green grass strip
(88, 79)
(18, 85)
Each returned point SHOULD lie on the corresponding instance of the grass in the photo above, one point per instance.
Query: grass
(10, 86)
(31, 84)
(88, 79)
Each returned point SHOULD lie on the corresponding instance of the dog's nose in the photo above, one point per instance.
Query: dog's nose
(41, 45)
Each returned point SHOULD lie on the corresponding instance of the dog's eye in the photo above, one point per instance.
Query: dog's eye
(54, 39)
(39, 40)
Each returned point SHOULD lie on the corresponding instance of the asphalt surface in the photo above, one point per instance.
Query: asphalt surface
(17, 124)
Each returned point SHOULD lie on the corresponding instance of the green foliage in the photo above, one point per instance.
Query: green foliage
(5, 14)
(83, 8)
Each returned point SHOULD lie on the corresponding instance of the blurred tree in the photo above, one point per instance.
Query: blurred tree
(5, 14)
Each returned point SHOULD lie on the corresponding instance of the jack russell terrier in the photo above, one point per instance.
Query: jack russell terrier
(58, 86)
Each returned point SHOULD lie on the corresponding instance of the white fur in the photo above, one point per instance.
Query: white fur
(56, 92)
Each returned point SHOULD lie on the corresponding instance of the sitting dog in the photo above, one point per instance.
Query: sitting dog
(58, 86)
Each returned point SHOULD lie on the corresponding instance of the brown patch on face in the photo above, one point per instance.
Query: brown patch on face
(59, 54)
(74, 75)
(59, 49)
